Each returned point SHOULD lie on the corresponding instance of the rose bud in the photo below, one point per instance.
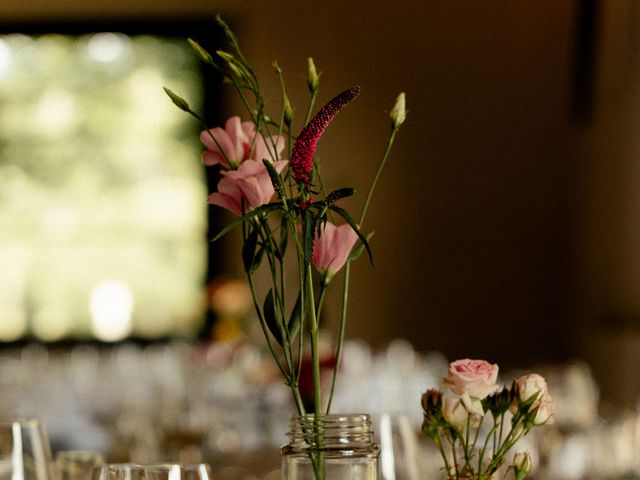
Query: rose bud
(521, 465)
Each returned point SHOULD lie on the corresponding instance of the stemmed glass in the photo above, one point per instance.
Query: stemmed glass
(162, 471)
(25, 453)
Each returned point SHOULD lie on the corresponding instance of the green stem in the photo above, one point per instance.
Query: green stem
(455, 456)
(486, 444)
(475, 437)
(377, 175)
(312, 100)
(438, 441)
(343, 322)
(314, 333)
(320, 302)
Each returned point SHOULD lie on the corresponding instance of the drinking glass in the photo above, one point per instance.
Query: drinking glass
(76, 464)
(25, 453)
(161, 471)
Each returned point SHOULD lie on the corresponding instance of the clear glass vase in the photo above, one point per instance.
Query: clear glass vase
(333, 447)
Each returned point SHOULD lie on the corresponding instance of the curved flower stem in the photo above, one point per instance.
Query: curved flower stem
(475, 437)
(374, 182)
(486, 444)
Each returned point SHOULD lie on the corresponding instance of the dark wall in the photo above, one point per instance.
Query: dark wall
(493, 221)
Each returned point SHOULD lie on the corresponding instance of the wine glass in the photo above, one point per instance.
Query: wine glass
(25, 453)
(160, 471)
(76, 464)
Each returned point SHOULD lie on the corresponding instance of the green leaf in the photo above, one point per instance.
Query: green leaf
(357, 251)
(339, 194)
(294, 321)
(267, 208)
(249, 250)
(276, 180)
(344, 214)
(270, 317)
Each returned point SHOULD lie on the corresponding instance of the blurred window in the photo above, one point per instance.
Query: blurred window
(102, 213)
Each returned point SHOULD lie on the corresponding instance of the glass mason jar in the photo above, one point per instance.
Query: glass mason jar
(333, 447)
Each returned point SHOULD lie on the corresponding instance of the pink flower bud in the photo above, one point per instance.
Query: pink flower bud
(332, 247)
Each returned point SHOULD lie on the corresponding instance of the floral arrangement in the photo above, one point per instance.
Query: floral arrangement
(474, 423)
(271, 181)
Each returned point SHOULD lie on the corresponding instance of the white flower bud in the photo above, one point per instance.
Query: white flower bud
(398, 112)
(313, 80)
(288, 111)
(531, 387)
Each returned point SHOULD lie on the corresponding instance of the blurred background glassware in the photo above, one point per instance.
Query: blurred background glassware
(25, 453)
(404, 453)
(158, 471)
(76, 464)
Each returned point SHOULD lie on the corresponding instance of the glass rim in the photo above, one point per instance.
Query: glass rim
(157, 466)
(332, 416)
(22, 422)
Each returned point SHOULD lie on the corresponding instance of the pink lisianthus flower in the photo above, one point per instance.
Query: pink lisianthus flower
(249, 183)
(232, 144)
(332, 247)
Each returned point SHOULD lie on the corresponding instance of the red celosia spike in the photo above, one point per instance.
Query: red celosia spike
(301, 162)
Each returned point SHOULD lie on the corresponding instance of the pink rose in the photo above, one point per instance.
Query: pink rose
(476, 378)
(332, 247)
(250, 182)
(233, 143)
